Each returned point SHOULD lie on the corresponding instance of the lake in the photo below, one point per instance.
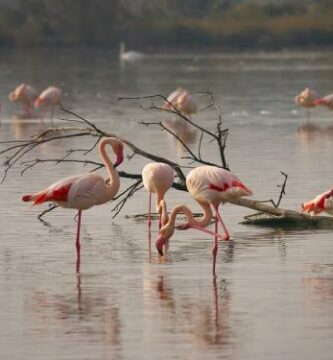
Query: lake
(273, 294)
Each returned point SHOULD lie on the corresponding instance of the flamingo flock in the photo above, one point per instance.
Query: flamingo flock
(47, 100)
(209, 186)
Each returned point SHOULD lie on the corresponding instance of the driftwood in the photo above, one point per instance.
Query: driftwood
(271, 216)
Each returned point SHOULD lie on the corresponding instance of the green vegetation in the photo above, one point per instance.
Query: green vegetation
(225, 24)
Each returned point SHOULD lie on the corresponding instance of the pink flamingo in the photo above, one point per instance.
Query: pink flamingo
(182, 100)
(210, 186)
(26, 95)
(48, 98)
(157, 178)
(307, 98)
(325, 101)
(83, 191)
(321, 203)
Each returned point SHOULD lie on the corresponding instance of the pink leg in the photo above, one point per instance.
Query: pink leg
(149, 213)
(218, 216)
(78, 245)
(42, 115)
(215, 248)
(52, 113)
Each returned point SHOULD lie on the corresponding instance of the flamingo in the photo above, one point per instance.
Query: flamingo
(325, 101)
(307, 98)
(209, 186)
(183, 101)
(157, 178)
(129, 55)
(26, 95)
(48, 98)
(321, 203)
(81, 192)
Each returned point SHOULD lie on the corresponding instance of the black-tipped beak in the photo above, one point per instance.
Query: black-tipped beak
(160, 242)
(119, 160)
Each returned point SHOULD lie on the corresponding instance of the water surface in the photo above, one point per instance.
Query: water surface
(273, 294)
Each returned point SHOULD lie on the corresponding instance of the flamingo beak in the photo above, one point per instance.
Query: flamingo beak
(119, 160)
(160, 242)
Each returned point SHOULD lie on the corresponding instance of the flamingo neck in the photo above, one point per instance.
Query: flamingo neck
(121, 50)
(161, 208)
(191, 221)
(114, 184)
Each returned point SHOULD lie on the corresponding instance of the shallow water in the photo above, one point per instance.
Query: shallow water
(273, 294)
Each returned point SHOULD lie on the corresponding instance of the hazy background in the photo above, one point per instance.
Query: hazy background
(165, 24)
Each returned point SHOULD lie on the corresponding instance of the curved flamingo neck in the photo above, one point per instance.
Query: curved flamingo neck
(191, 221)
(161, 208)
(112, 172)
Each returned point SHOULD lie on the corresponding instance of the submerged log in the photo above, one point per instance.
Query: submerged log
(268, 215)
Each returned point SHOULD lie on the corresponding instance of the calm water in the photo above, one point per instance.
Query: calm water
(273, 295)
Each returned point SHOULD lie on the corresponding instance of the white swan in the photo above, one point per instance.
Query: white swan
(129, 55)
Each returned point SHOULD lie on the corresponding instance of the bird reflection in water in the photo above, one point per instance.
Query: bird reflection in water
(180, 133)
(204, 320)
(311, 132)
(64, 312)
(22, 129)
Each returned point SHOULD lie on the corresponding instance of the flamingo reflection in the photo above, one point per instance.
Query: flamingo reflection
(206, 320)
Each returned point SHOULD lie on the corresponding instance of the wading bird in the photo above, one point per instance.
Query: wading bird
(48, 99)
(307, 98)
(183, 101)
(321, 203)
(209, 186)
(326, 101)
(81, 192)
(26, 95)
(157, 178)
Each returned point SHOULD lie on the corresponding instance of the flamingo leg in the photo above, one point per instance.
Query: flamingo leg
(307, 115)
(149, 213)
(52, 112)
(42, 115)
(77, 243)
(219, 218)
(24, 110)
(215, 248)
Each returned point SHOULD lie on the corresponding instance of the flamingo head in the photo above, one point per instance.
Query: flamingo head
(118, 149)
(38, 102)
(163, 238)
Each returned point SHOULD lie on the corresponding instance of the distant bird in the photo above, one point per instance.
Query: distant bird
(321, 203)
(48, 99)
(157, 178)
(183, 101)
(326, 101)
(26, 95)
(209, 186)
(129, 55)
(307, 98)
(83, 191)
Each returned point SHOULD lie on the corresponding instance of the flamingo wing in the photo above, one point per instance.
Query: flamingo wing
(209, 183)
(57, 192)
(87, 191)
(322, 202)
